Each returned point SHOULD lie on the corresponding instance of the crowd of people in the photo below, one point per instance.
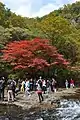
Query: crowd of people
(41, 86)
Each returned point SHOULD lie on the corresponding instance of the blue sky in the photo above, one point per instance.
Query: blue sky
(34, 8)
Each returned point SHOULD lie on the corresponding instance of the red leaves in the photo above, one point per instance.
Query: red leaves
(39, 63)
(37, 54)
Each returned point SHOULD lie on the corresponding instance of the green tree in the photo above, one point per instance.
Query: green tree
(63, 35)
(5, 35)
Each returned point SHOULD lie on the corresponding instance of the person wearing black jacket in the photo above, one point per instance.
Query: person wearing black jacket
(2, 89)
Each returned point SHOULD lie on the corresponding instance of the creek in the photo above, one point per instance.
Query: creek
(67, 110)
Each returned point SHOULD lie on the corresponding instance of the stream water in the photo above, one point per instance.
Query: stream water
(67, 110)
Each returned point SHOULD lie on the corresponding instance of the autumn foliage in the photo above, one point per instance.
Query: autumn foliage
(36, 54)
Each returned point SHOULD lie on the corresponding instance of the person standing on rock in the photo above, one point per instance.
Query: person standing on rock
(40, 81)
(66, 84)
(23, 86)
(53, 84)
(39, 92)
(2, 89)
(31, 84)
(27, 87)
(10, 91)
(71, 83)
(48, 86)
(13, 87)
(44, 85)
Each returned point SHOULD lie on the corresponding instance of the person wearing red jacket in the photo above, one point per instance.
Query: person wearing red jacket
(71, 83)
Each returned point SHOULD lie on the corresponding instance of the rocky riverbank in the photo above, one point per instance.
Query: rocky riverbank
(51, 100)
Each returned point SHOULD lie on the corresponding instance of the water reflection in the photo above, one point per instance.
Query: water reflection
(68, 110)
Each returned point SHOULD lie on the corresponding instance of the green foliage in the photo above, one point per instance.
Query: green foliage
(17, 21)
(61, 27)
(56, 26)
(13, 76)
(18, 33)
(4, 35)
(63, 35)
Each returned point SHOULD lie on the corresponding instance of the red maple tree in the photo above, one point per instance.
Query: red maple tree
(36, 54)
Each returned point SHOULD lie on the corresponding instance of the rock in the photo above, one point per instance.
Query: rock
(46, 96)
(55, 101)
(40, 119)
